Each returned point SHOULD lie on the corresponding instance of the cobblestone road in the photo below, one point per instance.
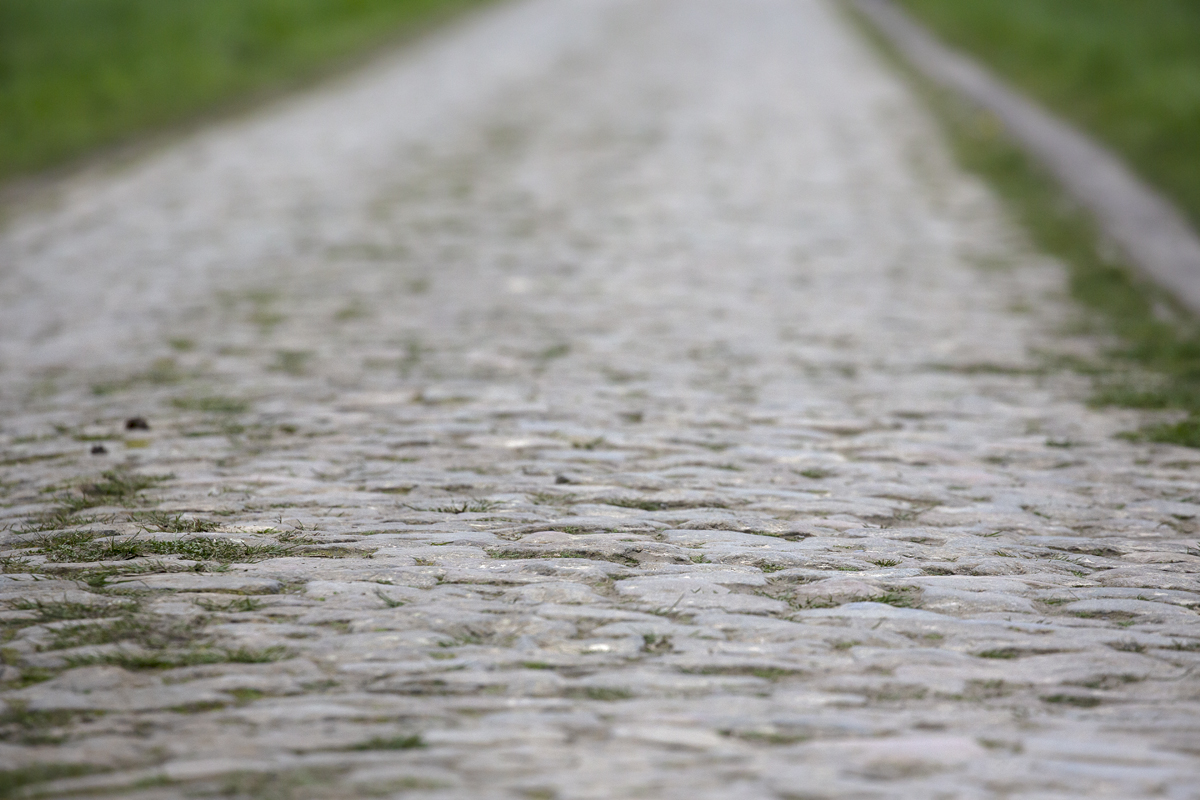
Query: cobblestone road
(600, 399)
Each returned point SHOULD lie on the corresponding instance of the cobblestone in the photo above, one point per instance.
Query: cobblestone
(600, 399)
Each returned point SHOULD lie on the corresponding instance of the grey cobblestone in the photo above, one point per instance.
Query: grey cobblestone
(600, 399)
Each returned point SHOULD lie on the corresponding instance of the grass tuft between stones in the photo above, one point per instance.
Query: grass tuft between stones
(87, 546)
(410, 742)
(171, 659)
(116, 487)
(172, 523)
(12, 781)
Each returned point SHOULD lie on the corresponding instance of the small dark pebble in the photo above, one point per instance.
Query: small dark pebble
(561, 479)
(137, 424)
(99, 450)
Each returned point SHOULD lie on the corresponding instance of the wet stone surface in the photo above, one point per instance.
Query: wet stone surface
(600, 399)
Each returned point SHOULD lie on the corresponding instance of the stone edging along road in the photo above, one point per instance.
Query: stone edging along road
(1145, 225)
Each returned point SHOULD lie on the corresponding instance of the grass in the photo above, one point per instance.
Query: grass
(1073, 700)
(656, 644)
(13, 780)
(58, 611)
(603, 693)
(211, 404)
(1155, 361)
(1129, 72)
(307, 783)
(772, 674)
(293, 362)
(768, 737)
(391, 743)
(465, 507)
(1001, 653)
(259, 655)
(57, 519)
(388, 601)
(899, 597)
(153, 642)
(19, 715)
(84, 546)
(816, 473)
(656, 505)
(77, 74)
(145, 631)
(167, 523)
(116, 487)
(187, 657)
(239, 605)
(593, 555)
(641, 505)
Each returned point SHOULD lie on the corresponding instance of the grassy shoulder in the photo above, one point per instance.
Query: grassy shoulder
(1156, 364)
(1129, 72)
(78, 74)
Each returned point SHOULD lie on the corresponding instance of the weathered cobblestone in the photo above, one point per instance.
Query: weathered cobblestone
(601, 399)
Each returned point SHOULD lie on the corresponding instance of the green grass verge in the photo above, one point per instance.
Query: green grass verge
(76, 74)
(1126, 70)
(1156, 363)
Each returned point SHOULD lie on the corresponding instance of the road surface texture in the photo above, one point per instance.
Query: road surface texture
(600, 399)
